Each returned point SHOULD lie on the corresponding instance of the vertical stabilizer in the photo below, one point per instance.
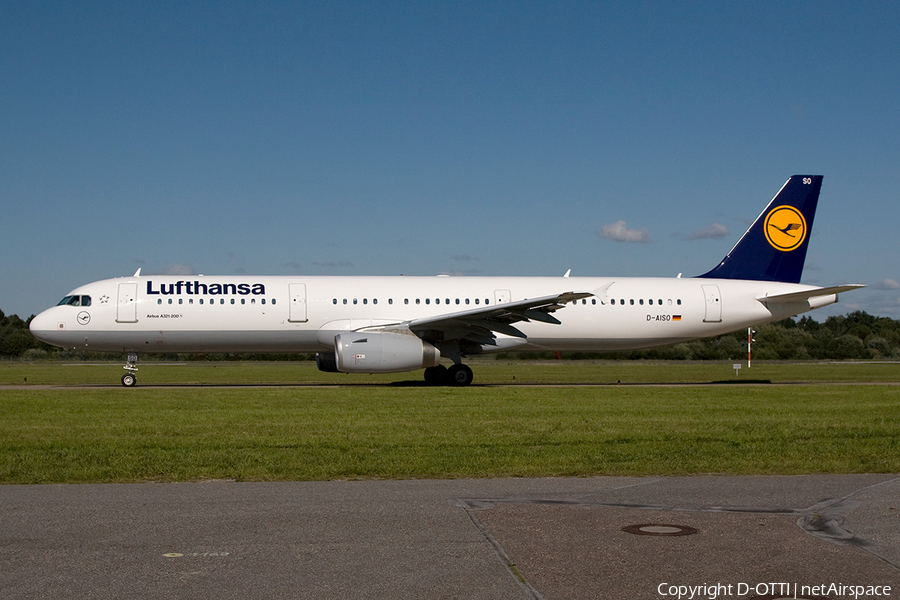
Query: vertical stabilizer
(774, 248)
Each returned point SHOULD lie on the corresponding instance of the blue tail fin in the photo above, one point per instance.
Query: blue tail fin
(774, 248)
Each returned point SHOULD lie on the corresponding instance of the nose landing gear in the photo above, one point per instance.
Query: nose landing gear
(129, 379)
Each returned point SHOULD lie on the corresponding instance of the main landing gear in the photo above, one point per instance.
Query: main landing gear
(129, 379)
(457, 375)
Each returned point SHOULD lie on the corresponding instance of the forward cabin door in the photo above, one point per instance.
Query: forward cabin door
(126, 305)
(713, 304)
(297, 292)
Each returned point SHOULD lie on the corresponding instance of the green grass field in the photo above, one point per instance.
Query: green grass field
(87, 428)
(486, 372)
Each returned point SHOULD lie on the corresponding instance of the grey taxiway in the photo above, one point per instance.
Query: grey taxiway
(603, 537)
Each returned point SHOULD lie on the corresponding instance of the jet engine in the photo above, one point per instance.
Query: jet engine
(371, 352)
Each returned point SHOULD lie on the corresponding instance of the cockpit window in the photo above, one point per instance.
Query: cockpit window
(75, 301)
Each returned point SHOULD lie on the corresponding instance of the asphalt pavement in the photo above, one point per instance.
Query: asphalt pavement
(820, 536)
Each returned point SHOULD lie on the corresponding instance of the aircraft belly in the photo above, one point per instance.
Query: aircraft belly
(202, 341)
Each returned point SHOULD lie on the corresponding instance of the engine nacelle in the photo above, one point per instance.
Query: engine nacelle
(371, 352)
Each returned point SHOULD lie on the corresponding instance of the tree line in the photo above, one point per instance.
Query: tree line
(857, 335)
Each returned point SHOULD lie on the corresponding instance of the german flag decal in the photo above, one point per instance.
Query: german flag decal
(676, 317)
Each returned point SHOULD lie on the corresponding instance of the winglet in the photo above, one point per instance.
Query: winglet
(774, 248)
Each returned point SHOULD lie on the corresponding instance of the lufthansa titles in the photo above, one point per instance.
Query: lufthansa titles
(194, 288)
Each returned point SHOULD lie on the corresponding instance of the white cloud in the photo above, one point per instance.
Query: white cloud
(887, 284)
(179, 270)
(619, 232)
(716, 231)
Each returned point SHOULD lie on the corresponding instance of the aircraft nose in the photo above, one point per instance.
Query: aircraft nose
(43, 326)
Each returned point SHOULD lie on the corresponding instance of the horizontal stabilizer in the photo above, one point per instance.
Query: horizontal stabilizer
(812, 293)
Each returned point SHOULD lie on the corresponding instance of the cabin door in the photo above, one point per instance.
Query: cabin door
(126, 305)
(297, 293)
(713, 304)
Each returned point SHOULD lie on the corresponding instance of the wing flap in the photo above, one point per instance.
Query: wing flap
(480, 326)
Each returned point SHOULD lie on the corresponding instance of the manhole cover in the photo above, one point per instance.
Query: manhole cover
(659, 529)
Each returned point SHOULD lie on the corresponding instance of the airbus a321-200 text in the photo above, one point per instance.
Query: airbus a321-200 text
(396, 324)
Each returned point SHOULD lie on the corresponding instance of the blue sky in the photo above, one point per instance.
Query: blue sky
(522, 138)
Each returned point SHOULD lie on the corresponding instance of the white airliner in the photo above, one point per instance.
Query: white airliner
(396, 324)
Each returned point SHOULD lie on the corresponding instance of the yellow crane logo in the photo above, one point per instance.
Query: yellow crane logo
(785, 228)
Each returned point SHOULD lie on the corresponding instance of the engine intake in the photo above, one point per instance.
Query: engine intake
(371, 352)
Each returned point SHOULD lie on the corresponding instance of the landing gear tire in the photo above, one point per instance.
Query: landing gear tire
(460, 375)
(129, 380)
(436, 375)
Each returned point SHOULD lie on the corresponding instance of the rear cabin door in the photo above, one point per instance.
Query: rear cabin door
(297, 293)
(713, 304)
(126, 305)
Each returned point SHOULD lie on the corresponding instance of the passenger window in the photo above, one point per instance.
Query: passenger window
(427, 300)
(232, 300)
(679, 302)
(273, 300)
(631, 301)
(365, 300)
(651, 301)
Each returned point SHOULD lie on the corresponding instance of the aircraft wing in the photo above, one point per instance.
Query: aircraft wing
(478, 327)
(808, 294)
